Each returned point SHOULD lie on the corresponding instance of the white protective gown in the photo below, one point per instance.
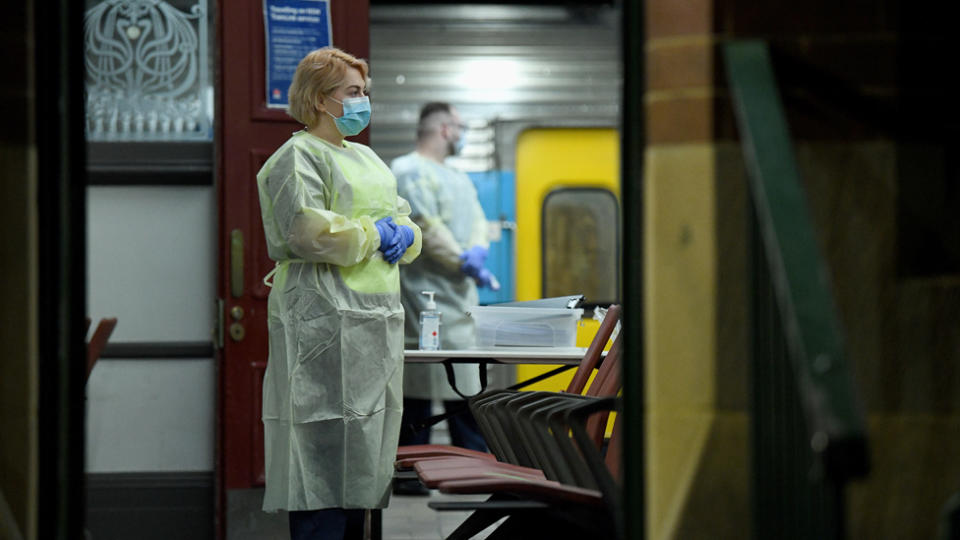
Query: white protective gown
(332, 388)
(444, 203)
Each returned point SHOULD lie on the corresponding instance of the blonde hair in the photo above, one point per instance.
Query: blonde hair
(320, 73)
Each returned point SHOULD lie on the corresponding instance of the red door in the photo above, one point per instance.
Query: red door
(248, 134)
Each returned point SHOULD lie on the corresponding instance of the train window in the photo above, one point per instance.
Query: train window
(581, 244)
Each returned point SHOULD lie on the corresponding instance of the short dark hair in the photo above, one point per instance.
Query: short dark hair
(427, 111)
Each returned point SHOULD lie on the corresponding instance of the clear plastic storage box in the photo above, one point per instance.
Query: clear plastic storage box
(525, 327)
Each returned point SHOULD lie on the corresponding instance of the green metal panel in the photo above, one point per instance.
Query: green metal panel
(809, 429)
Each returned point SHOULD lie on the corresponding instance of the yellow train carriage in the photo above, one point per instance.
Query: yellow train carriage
(568, 219)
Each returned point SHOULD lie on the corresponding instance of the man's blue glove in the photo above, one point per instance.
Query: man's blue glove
(402, 240)
(473, 260)
(486, 279)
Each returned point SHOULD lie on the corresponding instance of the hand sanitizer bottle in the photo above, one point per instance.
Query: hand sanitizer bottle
(429, 325)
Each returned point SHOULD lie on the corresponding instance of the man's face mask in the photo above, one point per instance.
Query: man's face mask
(356, 115)
(455, 146)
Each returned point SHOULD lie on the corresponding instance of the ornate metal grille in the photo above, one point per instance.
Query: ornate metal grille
(148, 77)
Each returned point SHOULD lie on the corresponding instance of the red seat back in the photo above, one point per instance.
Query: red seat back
(99, 340)
(607, 383)
(592, 356)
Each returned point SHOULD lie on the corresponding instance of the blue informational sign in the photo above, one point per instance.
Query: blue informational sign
(293, 28)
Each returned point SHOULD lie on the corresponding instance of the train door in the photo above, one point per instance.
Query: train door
(495, 189)
(249, 133)
(568, 219)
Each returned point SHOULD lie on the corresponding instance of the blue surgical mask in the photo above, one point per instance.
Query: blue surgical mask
(356, 115)
(456, 146)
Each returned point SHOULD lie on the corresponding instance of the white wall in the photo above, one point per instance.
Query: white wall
(151, 415)
(151, 262)
(151, 259)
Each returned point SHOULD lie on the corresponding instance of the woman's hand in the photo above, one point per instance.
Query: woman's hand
(394, 239)
(388, 230)
(404, 238)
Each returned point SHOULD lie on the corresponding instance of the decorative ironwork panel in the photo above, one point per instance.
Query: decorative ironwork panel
(147, 71)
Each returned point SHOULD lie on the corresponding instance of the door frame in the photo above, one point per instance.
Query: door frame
(246, 133)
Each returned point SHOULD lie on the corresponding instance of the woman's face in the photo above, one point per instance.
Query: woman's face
(353, 86)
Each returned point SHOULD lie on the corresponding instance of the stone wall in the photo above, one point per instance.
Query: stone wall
(875, 135)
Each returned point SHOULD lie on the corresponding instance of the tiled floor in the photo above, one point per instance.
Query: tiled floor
(407, 518)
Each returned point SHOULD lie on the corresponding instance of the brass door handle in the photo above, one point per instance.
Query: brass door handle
(237, 331)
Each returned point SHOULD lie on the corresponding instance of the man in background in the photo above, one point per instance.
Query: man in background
(444, 204)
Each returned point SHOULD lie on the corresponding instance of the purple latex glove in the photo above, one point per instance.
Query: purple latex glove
(473, 260)
(390, 239)
(388, 230)
(486, 279)
(403, 239)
